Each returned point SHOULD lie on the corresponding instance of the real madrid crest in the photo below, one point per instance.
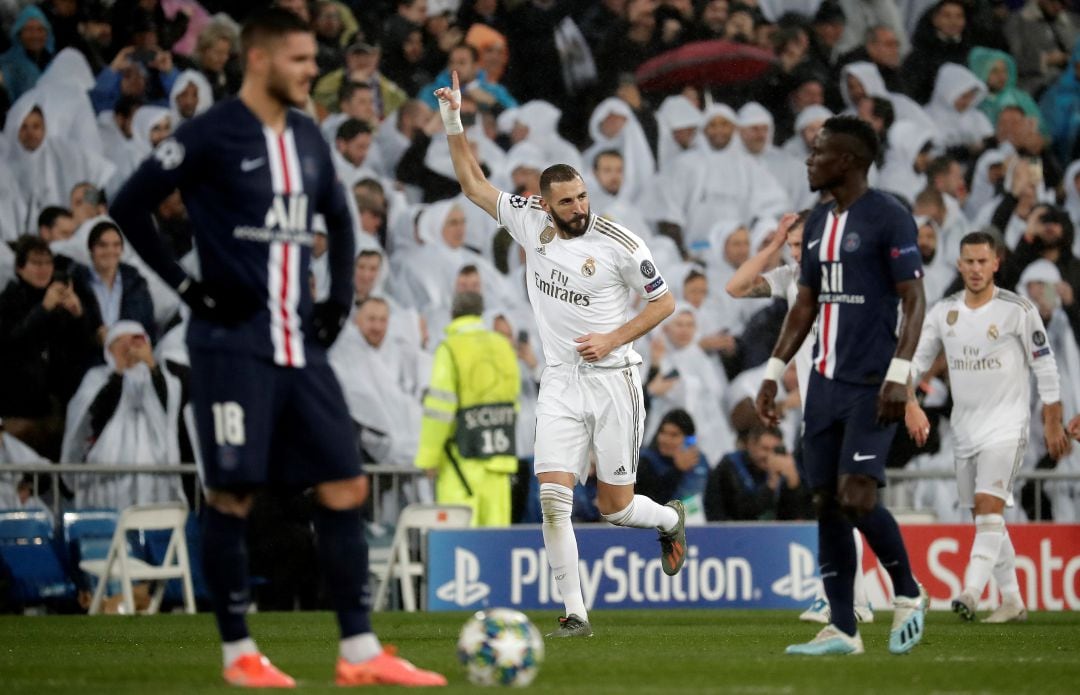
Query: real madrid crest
(950, 318)
(992, 332)
(588, 268)
(548, 235)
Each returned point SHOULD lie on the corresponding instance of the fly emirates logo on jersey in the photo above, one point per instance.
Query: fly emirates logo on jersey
(286, 221)
(555, 287)
(969, 360)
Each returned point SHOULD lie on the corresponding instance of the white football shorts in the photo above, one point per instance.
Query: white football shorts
(991, 471)
(590, 409)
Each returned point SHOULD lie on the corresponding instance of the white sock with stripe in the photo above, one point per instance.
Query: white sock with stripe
(989, 535)
(642, 512)
(1005, 572)
(557, 504)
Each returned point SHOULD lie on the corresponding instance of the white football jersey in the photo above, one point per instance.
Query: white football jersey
(580, 285)
(783, 282)
(989, 351)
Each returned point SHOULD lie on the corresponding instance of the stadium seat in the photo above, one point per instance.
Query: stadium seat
(26, 550)
(418, 518)
(86, 535)
(121, 564)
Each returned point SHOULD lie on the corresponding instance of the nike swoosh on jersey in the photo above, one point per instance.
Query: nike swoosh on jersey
(864, 457)
(251, 164)
(813, 243)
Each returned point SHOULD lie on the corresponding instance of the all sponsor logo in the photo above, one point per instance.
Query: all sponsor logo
(588, 268)
(950, 318)
(654, 285)
(852, 242)
(992, 332)
(648, 270)
(517, 201)
(1039, 338)
(548, 235)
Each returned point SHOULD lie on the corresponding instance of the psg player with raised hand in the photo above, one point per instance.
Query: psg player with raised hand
(252, 172)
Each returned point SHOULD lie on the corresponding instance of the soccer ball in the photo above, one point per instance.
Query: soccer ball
(500, 646)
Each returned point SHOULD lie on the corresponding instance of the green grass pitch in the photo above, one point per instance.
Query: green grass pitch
(633, 652)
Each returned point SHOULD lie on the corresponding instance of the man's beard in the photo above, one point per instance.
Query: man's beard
(568, 227)
(927, 259)
(278, 89)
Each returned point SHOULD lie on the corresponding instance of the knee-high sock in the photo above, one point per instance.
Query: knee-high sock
(642, 512)
(883, 535)
(225, 563)
(989, 534)
(1005, 570)
(557, 504)
(860, 581)
(836, 554)
(343, 554)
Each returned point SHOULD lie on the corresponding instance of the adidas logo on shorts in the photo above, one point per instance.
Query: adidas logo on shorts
(621, 470)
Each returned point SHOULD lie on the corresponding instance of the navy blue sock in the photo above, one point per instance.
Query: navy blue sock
(836, 553)
(225, 564)
(883, 534)
(343, 552)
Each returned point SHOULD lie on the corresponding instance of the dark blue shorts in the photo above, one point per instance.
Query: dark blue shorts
(842, 434)
(259, 423)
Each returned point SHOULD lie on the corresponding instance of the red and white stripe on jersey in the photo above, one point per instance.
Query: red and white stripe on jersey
(283, 271)
(829, 316)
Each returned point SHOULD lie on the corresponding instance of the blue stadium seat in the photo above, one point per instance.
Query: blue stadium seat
(87, 534)
(30, 560)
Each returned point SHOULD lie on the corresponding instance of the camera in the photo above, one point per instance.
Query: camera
(62, 275)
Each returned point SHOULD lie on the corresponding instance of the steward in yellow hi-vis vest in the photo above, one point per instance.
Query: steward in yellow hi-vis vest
(470, 416)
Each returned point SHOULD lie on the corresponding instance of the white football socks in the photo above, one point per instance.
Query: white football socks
(989, 536)
(642, 512)
(1005, 572)
(231, 651)
(359, 648)
(557, 504)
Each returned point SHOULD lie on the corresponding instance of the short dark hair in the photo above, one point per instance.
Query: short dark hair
(28, 244)
(804, 215)
(759, 430)
(351, 128)
(861, 135)
(467, 304)
(681, 419)
(979, 237)
(269, 24)
(939, 165)
(468, 47)
(368, 253)
(694, 274)
(557, 173)
(50, 214)
(349, 88)
(469, 269)
(605, 153)
(99, 229)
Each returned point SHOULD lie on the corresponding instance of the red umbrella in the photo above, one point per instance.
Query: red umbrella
(704, 64)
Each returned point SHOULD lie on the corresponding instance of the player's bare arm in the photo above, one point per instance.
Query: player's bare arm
(747, 280)
(469, 174)
(594, 347)
(797, 325)
(1057, 440)
(893, 398)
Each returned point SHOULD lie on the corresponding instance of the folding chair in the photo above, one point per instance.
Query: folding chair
(419, 518)
(120, 564)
